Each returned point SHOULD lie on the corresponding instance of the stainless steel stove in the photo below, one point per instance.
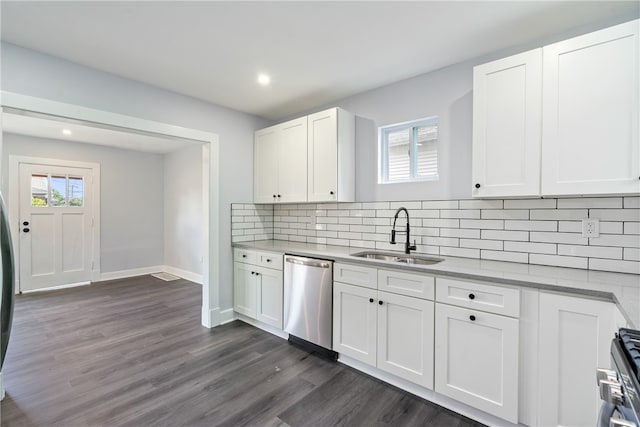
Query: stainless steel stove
(619, 387)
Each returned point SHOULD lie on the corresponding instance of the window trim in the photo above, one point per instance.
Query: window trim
(383, 150)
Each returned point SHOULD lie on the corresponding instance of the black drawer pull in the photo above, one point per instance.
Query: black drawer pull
(472, 318)
(472, 296)
(370, 299)
(380, 302)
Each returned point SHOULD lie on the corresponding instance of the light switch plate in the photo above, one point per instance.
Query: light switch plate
(590, 227)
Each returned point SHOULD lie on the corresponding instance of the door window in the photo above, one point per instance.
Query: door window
(57, 190)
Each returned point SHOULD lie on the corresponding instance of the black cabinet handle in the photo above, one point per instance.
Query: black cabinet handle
(370, 299)
(472, 318)
(25, 223)
(279, 196)
(257, 274)
(274, 196)
(472, 296)
(244, 255)
(26, 230)
(252, 273)
(268, 260)
(477, 185)
(380, 302)
(331, 192)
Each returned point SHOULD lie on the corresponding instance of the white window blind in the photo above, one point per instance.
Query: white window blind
(409, 151)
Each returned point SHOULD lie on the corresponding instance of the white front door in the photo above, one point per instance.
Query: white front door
(55, 235)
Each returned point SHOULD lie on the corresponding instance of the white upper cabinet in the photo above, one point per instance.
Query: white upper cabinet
(561, 120)
(280, 163)
(590, 113)
(507, 102)
(307, 159)
(331, 156)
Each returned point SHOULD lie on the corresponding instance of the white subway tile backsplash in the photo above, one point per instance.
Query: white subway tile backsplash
(534, 231)
(485, 224)
(623, 240)
(459, 252)
(505, 235)
(558, 261)
(505, 214)
(481, 204)
(632, 228)
(632, 267)
(450, 213)
(631, 254)
(408, 205)
(559, 214)
(590, 203)
(440, 204)
(529, 247)
(632, 202)
(530, 204)
(531, 225)
(496, 245)
(615, 214)
(505, 256)
(568, 238)
(460, 232)
(590, 251)
(446, 223)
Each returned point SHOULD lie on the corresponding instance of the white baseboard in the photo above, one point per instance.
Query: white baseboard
(227, 316)
(187, 275)
(123, 274)
(55, 288)
(211, 317)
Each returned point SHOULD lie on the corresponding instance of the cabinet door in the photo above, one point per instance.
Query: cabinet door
(244, 289)
(507, 102)
(265, 173)
(292, 161)
(590, 113)
(476, 361)
(354, 322)
(405, 337)
(575, 337)
(323, 156)
(269, 306)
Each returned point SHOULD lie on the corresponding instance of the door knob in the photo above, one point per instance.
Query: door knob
(26, 230)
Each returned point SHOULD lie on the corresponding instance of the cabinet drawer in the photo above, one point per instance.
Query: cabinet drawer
(477, 296)
(413, 285)
(355, 275)
(244, 255)
(269, 260)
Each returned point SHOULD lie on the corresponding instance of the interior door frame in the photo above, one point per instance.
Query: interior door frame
(210, 315)
(13, 203)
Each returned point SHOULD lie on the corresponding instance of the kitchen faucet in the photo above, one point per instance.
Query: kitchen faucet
(408, 247)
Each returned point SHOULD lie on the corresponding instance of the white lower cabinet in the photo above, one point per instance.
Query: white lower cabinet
(389, 331)
(574, 339)
(476, 359)
(258, 291)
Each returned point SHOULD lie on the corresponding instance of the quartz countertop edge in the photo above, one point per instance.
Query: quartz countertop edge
(621, 288)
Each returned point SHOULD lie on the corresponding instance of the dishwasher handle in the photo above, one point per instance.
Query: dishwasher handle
(308, 262)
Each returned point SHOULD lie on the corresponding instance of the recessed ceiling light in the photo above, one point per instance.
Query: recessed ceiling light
(66, 131)
(264, 79)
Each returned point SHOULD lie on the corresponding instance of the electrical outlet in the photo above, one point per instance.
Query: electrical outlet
(590, 227)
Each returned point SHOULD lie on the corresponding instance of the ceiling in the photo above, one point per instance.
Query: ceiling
(51, 128)
(315, 52)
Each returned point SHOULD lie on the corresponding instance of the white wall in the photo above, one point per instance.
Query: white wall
(32, 73)
(132, 197)
(183, 209)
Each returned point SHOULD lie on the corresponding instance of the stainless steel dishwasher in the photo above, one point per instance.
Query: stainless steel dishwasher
(308, 294)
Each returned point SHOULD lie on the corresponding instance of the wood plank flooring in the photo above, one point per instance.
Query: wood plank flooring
(132, 352)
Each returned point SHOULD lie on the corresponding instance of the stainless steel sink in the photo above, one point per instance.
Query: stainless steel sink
(406, 259)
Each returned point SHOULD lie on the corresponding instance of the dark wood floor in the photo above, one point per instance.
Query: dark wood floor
(132, 353)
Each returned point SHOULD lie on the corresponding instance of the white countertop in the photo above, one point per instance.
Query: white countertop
(620, 288)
